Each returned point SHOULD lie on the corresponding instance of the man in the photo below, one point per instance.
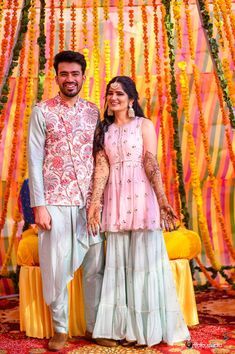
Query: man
(60, 168)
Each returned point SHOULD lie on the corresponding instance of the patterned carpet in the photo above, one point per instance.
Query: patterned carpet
(215, 334)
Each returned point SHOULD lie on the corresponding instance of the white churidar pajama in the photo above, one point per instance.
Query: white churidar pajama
(62, 250)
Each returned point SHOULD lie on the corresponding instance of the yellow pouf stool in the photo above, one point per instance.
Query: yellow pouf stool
(35, 318)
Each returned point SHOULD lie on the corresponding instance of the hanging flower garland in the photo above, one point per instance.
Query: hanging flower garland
(146, 59)
(169, 121)
(14, 61)
(160, 98)
(121, 35)
(84, 22)
(195, 179)
(42, 51)
(203, 128)
(86, 83)
(227, 30)
(61, 26)
(107, 52)
(96, 54)
(85, 50)
(174, 110)
(189, 29)
(132, 41)
(176, 5)
(50, 72)
(218, 24)
(1, 12)
(106, 9)
(13, 25)
(231, 15)
(5, 41)
(229, 78)
(73, 26)
(225, 121)
(215, 55)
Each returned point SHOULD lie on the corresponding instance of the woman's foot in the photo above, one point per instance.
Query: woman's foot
(126, 343)
(105, 342)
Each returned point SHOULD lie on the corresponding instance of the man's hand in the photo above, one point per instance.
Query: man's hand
(42, 217)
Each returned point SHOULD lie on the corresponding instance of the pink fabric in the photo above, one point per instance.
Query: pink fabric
(129, 200)
(68, 163)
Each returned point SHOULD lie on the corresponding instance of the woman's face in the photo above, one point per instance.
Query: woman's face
(117, 99)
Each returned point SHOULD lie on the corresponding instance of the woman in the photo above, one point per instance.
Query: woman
(138, 303)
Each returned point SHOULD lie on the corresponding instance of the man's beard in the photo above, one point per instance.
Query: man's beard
(68, 93)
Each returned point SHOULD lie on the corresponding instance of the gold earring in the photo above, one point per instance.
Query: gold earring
(131, 112)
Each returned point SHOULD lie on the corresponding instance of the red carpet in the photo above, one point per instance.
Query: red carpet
(215, 334)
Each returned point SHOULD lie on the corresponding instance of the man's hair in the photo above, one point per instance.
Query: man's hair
(69, 56)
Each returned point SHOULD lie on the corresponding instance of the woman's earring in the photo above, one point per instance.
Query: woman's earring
(131, 112)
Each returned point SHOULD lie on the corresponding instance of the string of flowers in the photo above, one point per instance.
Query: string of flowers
(73, 27)
(121, 35)
(229, 78)
(15, 138)
(231, 15)
(214, 49)
(23, 24)
(96, 54)
(1, 12)
(61, 26)
(168, 119)
(13, 25)
(195, 179)
(132, 40)
(86, 83)
(189, 29)
(203, 128)
(225, 121)
(106, 9)
(84, 22)
(227, 30)
(146, 58)
(176, 5)
(174, 111)
(218, 24)
(160, 98)
(42, 51)
(5, 40)
(213, 282)
(107, 52)
(50, 72)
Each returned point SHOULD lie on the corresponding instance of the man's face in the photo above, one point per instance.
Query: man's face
(70, 78)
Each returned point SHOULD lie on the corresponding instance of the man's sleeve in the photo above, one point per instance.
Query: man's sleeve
(36, 151)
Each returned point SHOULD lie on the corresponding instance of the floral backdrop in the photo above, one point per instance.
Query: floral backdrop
(181, 54)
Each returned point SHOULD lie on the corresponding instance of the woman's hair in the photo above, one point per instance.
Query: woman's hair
(129, 87)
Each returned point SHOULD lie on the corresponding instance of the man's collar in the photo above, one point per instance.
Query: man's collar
(62, 102)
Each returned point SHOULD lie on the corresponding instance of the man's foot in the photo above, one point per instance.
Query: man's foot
(126, 343)
(105, 342)
(57, 342)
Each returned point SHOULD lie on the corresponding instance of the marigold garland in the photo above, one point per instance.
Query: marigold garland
(13, 25)
(225, 121)
(176, 4)
(132, 41)
(73, 26)
(86, 85)
(203, 128)
(231, 15)
(42, 51)
(189, 29)
(167, 112)
(106, 9)
(174, 110)
(146, 58)
(160, 98)
(227, 30)
(107, 51)
(131, 13)
(121, 35)
(229, 78)
(218, 24)
(5, 41)
(61, 26)
(195, 179)
(96, 54)
(1, 12)
(84, 22)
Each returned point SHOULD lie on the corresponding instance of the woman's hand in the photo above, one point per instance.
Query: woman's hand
(94, 216)
(167, 218)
